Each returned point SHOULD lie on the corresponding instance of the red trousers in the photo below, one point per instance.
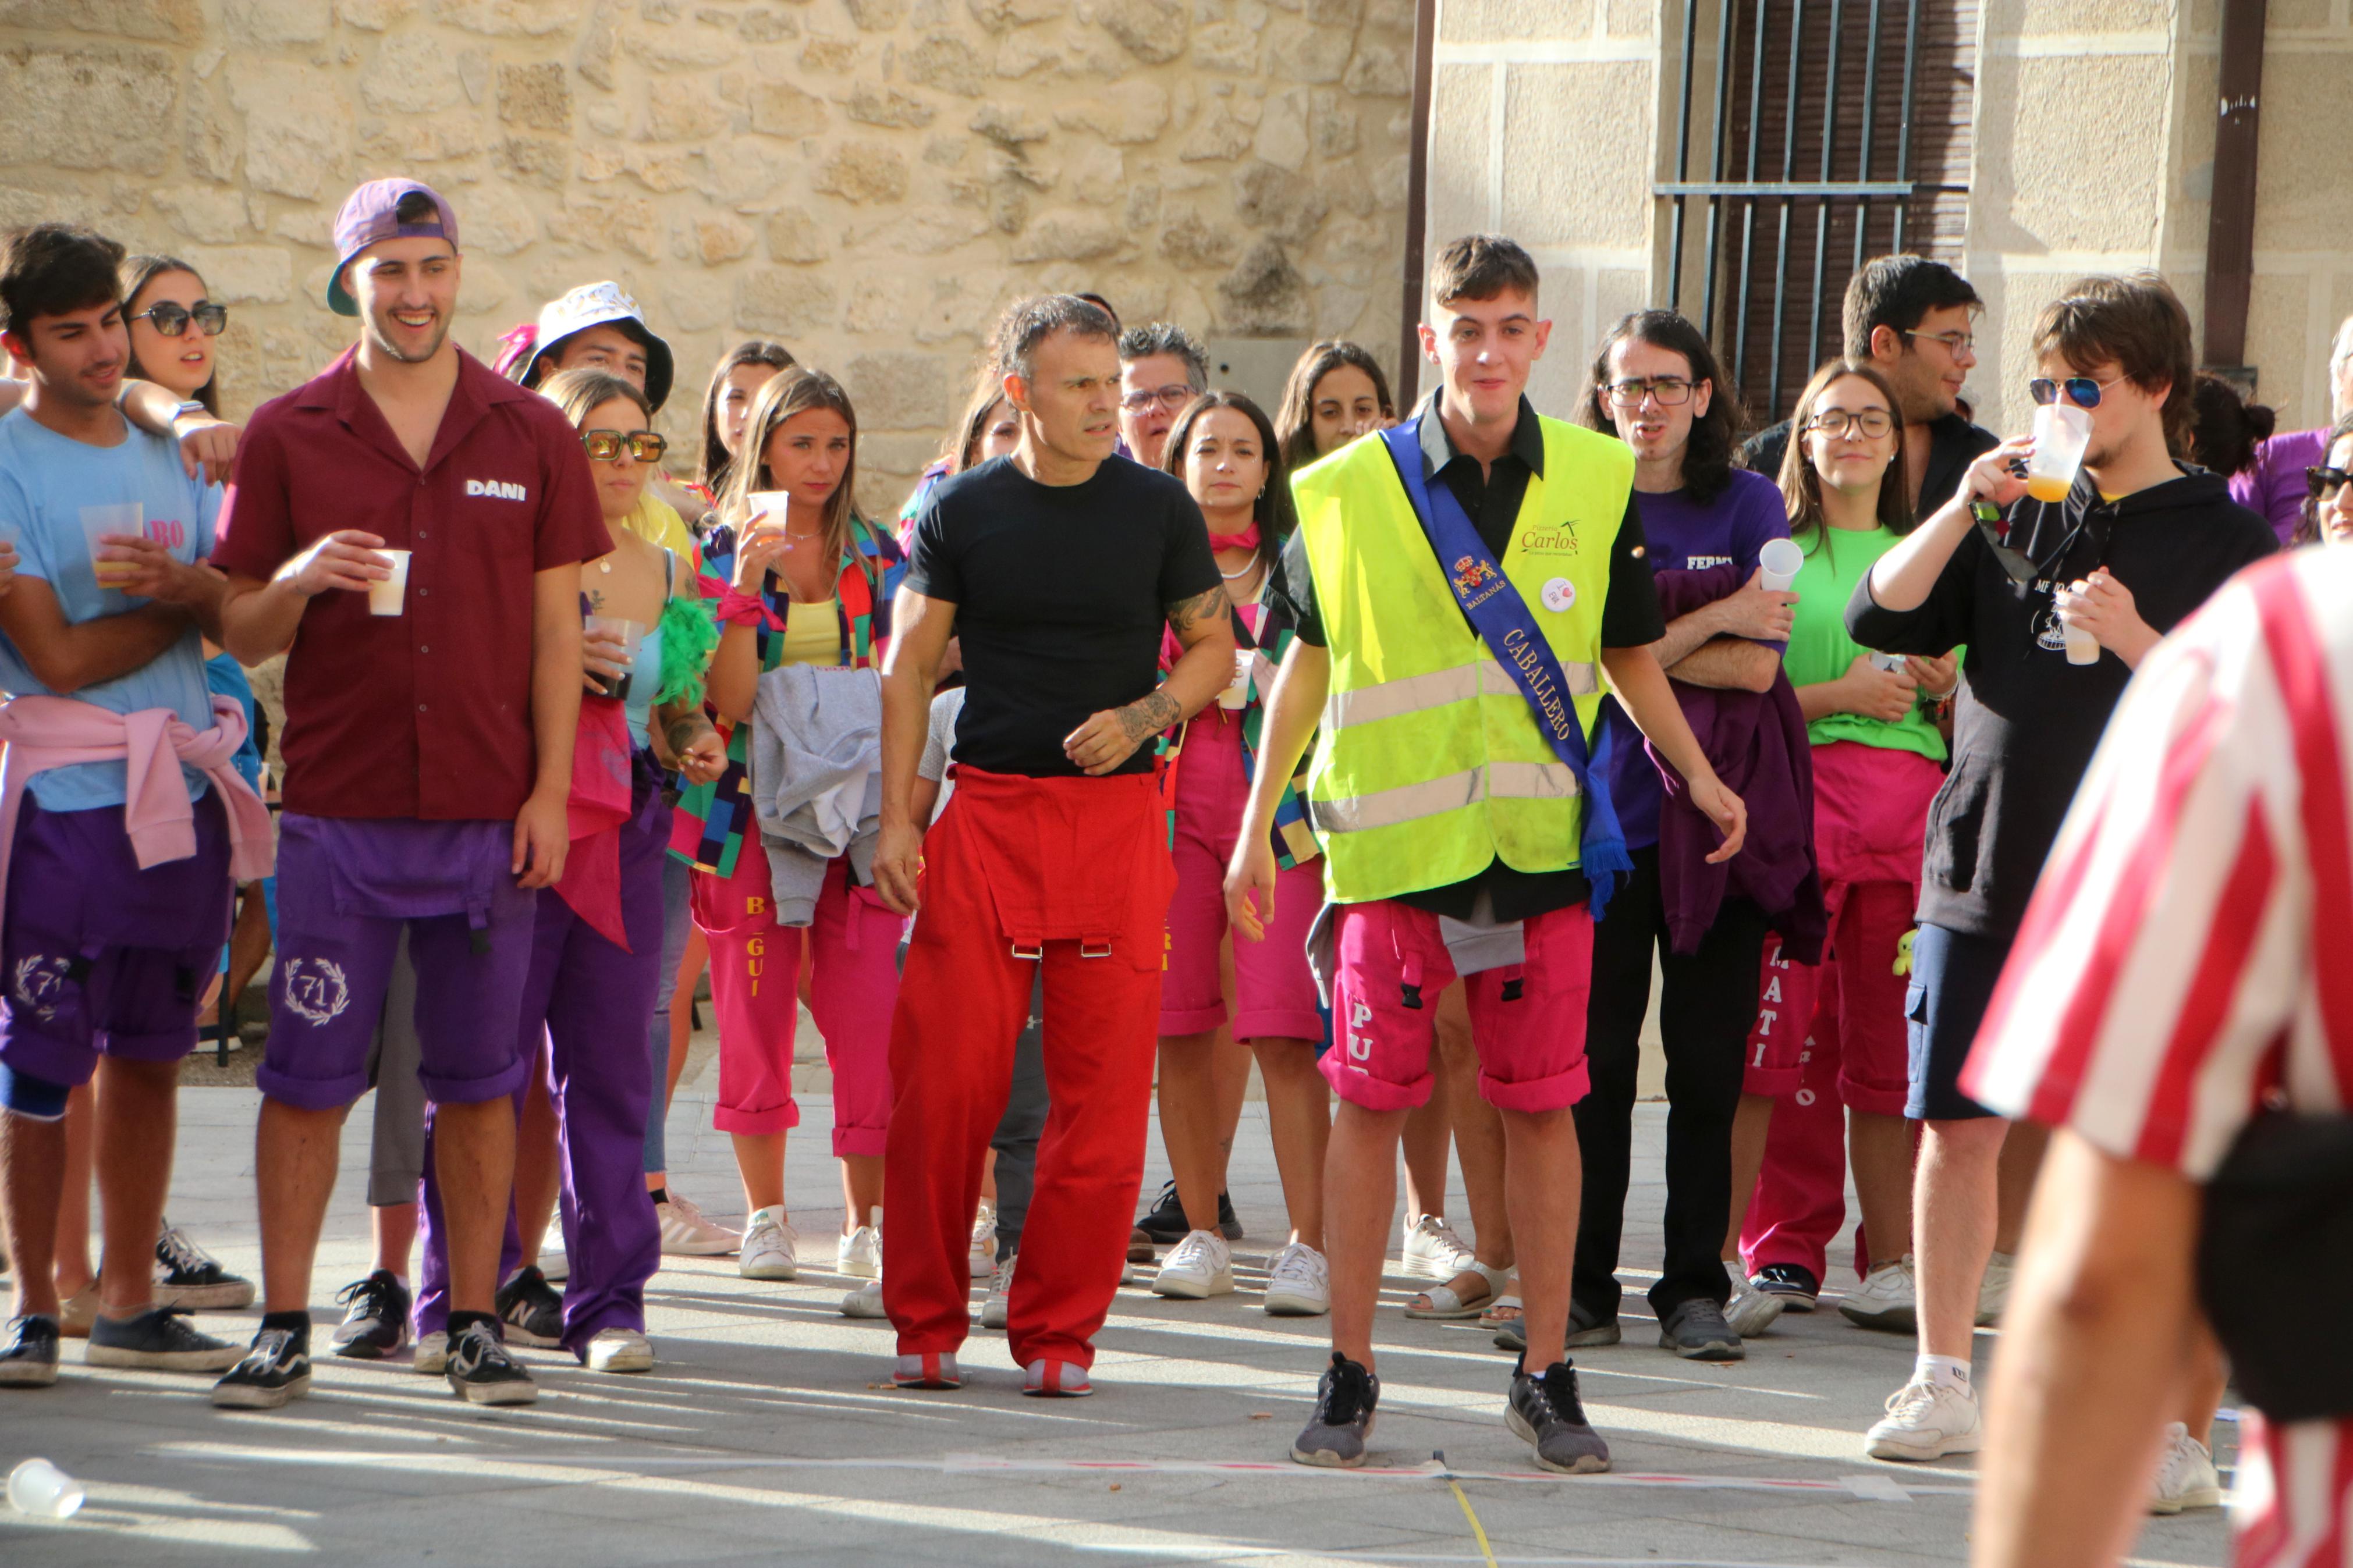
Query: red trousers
(1073, 873)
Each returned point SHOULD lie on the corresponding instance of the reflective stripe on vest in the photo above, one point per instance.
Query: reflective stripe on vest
(1495, 781)
(1392, 698)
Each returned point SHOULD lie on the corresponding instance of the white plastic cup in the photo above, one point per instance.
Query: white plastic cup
(38, 1488)
(97, 523)
(1889, 662)
(386, 598)
(2062, 433)
(2082, 648)
(1781, 560)
(1237, 691)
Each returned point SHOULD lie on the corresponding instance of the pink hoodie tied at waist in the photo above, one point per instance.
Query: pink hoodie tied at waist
(38, 734)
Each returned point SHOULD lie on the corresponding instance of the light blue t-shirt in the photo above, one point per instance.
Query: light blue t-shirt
(46, 482)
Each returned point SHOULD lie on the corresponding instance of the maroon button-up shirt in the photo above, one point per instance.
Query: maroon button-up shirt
(426, 714)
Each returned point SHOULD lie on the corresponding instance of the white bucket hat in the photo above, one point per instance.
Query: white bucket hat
(598, 305)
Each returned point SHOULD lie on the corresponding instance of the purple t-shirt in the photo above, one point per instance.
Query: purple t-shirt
(2275, 485)
(1684, 535)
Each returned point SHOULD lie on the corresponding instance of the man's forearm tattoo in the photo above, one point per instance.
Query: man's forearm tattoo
(1185, 612)
(1147, 715)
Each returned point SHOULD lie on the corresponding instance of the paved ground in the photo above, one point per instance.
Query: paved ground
(763, 1436)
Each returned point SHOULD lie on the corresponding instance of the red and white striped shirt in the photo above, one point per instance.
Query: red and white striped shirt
(2170, 974)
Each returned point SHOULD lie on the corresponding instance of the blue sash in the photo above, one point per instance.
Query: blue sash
(1501, 617)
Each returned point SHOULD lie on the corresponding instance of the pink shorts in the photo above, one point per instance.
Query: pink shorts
(1274, 995)
(1527, 1019)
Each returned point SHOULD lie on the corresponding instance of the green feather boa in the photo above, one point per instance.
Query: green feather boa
(689, 637)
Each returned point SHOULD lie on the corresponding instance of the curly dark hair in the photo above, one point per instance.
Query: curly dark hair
(1715, 434)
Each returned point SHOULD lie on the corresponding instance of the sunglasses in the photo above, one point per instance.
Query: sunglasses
(2080, 390)
(2322, 484)
(604, 446)
(172, 318)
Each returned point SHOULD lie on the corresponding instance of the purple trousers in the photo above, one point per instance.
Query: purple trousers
(591, 1003)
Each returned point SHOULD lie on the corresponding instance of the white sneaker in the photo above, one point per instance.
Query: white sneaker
(686, 1233)
(620, 1350)
(770, 1247)
(2187, 1478)
(866, 1302)
(1926, 1419)
(984, 1237)
(554, 1265)
(993, 1311)
(1993, 1290)
(1432, 1250)
(1298, 1283)
(432, 1355)
(860, 1254)
(1749, 1311)
(1889, 1298)
(1201, 1264)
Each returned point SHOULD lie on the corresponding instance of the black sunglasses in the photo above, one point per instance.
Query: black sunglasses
(604, 446)
(2322, 484)
(171, 318)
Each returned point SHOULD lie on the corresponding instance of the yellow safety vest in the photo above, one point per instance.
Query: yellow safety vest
(1428, 764)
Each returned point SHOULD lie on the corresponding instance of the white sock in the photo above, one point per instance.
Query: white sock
(1950, 1371)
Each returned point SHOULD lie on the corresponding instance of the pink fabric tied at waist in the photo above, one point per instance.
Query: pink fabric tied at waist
(38, 734)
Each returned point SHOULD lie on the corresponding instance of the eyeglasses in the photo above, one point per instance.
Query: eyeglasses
(604, 446)
(1955, 342)
(1669, 391)
(2082, 390)
(1171, 398)
(172, 318)
(2323, 484)
(1870, 422)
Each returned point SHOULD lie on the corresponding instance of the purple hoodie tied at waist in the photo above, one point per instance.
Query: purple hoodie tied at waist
(1757, 743)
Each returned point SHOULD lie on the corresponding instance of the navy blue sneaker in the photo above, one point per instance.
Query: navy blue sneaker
(159, 1339)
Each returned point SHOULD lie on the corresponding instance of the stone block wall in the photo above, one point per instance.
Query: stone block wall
(868, 180)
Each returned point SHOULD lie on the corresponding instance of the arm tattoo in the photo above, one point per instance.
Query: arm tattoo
(1186, 612)
(1147, 715)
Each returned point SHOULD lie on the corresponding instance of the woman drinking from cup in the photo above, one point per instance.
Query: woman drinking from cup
(808, 581)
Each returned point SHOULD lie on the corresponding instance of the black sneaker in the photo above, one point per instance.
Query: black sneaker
(1696, 1330)
(29, 1359)
(1793, 1282)
(377, 1324)
(481, 1371)
(276, 1369)
(187, 1276)
(1166, 1224)
(1335, 1435)
(1546, 1413)
(530, 1309)
(158, 1339)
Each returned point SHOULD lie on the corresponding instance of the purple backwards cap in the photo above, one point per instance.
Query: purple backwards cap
(371, 214)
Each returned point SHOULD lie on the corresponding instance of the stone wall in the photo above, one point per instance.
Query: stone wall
(867, 180)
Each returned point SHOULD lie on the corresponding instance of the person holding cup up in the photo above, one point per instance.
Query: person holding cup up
(2139, 542)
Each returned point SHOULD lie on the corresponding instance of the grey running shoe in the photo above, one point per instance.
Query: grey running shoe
(1584, 1330)
(480, 1372)
(1696, 1330)
(158, 1339)
(376, 1323)
(275, 1369)
(1335, 1436)
(29, 1359)
(1546, 1413)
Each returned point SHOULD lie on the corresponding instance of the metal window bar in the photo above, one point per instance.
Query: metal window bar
(1741, 308)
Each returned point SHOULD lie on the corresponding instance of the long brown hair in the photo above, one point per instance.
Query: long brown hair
(135, 273)
(1801, 487)
(797, 391)
(1294, 421)
(1715, 434)
(710, 469)
(1273, 510)
(963, 436)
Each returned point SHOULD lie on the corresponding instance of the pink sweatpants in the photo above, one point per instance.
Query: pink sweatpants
(852, 956)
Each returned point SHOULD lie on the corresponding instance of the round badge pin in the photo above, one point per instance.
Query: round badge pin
(1559, 594)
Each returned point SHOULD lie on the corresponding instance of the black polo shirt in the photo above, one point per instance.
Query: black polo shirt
(1490, 494)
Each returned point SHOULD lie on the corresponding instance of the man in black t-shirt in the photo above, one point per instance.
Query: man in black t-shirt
(1059, 567)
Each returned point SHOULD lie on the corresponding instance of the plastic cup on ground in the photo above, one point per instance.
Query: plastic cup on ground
(2061, 432)
(38, 1488)
(97, 523)
(629, 634)
(386, 598)
(1781, 560)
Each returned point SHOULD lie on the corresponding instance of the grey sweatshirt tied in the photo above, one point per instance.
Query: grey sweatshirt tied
(817, 788)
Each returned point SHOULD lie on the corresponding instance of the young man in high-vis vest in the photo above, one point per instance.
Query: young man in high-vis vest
(1460, 835)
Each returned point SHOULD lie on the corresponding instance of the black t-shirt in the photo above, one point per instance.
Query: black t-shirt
(1062, 594)
(1629, 618)
(2027, 720)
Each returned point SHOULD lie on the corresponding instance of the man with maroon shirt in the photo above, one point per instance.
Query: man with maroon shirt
(428, 747)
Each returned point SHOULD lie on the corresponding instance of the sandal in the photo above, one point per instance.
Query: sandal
(1445, 1305)
(1501, 1310)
